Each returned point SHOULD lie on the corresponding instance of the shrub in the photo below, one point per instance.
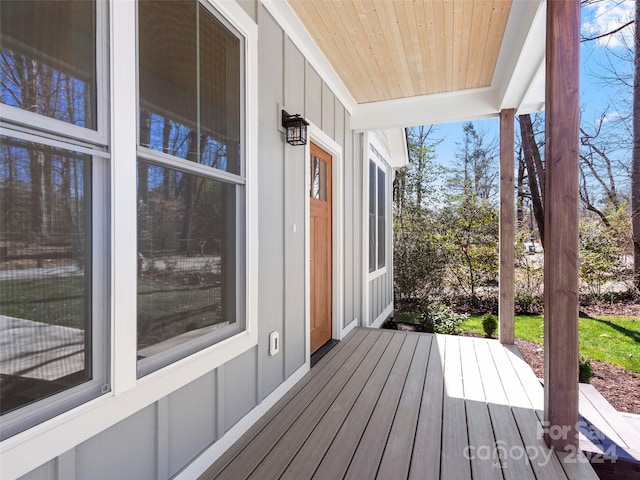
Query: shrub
(439, 318)
(525, 302)
(489, 324)
(585, 370)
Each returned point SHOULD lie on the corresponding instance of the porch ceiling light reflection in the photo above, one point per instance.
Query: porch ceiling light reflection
(296, 128)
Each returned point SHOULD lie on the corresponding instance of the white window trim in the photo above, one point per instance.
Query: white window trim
(27, 450)
(371, 139)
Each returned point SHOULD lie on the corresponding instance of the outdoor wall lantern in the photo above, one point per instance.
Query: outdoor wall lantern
(296, 127)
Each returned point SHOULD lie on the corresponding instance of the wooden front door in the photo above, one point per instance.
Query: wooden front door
(321, 247)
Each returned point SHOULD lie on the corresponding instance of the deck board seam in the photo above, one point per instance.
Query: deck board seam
(245, 440)
(420, 407)
(322, 381)
(357, 394)
(386, 388)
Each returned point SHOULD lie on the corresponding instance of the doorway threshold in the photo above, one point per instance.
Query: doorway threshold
(322, 351)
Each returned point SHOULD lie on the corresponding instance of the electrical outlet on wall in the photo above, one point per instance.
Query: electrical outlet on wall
(274, 343)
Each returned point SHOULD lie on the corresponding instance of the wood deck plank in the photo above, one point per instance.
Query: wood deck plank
(325, 368)
(425, 460)
(250, 456)
(307, 459)
(544, 462)
(478, 419)
(602, 430)
(628, 435)
(455, 440)
(396, 459)
(575, 464)
(508, 440)
(395, 405)
(320, 421)
(337, 458)
(367, 457)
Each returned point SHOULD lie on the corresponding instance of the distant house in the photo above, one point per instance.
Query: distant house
(169, 262)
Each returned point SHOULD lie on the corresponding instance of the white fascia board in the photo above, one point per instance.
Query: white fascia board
(534, 99)
(398, 151)
(295, 30)
(472, 104)
(522, 55)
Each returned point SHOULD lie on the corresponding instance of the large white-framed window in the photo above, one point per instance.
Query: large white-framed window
(191, 207)
(81, 155)
(54, 159)
(377, 210)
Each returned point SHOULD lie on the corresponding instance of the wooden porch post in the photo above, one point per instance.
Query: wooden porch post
(507, 228)
(561, 224)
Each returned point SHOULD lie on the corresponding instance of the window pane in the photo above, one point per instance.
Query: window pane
(191, 115)
(186, 258)
(319, 179)
(372, 216)
(381, 218)
(48, 59)
(168, 77)
(45, 271)
(220, 99)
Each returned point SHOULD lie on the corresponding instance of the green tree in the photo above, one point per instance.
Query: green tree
(419, 256)
(470, 225)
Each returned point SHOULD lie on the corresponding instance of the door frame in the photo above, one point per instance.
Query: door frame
(324, 141)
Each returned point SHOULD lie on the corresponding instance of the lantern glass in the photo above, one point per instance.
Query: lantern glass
(296, 127)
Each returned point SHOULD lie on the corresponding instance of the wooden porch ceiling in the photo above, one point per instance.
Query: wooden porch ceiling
(412, 62)
(399, 405)
(385, 50)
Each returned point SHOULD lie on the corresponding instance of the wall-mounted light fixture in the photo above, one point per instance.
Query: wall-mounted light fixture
(296, 128)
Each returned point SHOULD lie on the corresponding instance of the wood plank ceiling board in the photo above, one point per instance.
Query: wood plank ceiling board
(386, 50)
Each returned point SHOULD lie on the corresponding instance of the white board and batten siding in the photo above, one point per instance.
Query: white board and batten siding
(162, 439)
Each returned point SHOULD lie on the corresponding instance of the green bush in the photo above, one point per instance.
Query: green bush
(525, 303)
(489, 324)
(439, 318)
(585, 370)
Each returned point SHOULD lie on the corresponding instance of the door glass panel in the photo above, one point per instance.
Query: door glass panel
(45, 271)
(318, 179)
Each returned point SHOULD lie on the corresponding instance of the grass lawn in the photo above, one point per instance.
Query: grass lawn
(56, 301)
(607, 339)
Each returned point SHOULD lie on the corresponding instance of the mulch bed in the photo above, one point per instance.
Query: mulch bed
(619, 386)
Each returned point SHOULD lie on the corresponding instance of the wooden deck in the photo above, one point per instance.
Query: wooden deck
(609, 436)
(395, 405)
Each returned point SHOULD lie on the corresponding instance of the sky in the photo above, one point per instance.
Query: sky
(597, 18)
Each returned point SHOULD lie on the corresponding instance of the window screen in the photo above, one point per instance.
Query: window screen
(190, 236)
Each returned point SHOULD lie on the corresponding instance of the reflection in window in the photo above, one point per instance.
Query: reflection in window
(45, 271)
(381, 218)
(48, 59)
(372, 216)
(186, 259)
(190, 84)
(319, 179)
(377, 216)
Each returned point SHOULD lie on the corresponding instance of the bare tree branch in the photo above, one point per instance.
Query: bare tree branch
(607, 34)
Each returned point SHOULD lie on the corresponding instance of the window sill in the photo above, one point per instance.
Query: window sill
(377, 273)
